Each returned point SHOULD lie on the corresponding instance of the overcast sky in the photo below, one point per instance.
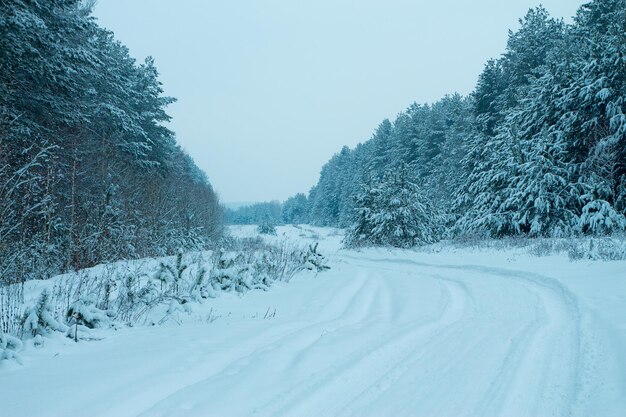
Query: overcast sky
(269, 90)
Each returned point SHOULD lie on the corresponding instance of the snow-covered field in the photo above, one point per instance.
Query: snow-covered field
(459, 332)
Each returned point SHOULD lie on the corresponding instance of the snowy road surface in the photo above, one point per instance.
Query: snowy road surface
(384, 333)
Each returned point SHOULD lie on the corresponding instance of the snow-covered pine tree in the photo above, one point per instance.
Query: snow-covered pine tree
(393, 212)
(540, 195)
(381, 156)
(327, 198)
(198, 288)
(39, 319)
(10, 347)
(313, 260)
(599, 217)
(495, 155)
(594, 101)
(359, 233)
(172, 274)
(227, 275)
(446, 172)
(266, 226)
(83, 315)
(491, 164)
(487, 161)
(295, 209)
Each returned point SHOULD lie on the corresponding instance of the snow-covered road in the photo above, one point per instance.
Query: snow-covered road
(382, 333)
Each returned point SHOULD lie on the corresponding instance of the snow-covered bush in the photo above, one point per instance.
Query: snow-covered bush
(176, 306)
(39, 319)
(172, 275)
(229, 273)
(136, 298)
(268, 266)
(84, 315)
(129, 292)
(200, 287)
(608, 248)
(253, 264)
(264, 273)
(267, 228)
(313, 260)
(9, 347)
(281, 261)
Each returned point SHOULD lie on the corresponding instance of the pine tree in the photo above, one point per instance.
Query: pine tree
(10, 347)
(495, 157)
(393, 212)
(596, 106)
(295, 210)
(540, 196)
(83, 315)
(538, 149)
(381, 157)
(266, 227)
(39, 319)
(82, 126)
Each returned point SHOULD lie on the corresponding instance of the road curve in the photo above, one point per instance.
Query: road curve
(414, 339)
(376, 335)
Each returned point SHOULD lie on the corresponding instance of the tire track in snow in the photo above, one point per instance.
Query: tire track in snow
(353, 311)
(425, 351)
(390, 336)
(172, 405)
(327, 391)
(548, 358)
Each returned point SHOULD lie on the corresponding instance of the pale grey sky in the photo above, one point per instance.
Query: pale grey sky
(269, 90)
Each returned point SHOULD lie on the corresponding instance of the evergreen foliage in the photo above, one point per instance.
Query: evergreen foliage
(393, 212)
(172, 275)
(538, 148)
(83, 315)
(88, 171)
(40, 318)
(10, 347)
(266, 227)
(256, 213)
(295, 210)
(229, 274)
(314, 260)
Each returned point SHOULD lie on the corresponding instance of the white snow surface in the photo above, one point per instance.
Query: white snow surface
(457, 332)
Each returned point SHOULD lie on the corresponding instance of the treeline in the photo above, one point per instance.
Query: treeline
(88, 171)
(295, 210)
(257, 213)
(538, 149)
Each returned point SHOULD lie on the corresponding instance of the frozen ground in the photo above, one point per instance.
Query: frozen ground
(454, 333)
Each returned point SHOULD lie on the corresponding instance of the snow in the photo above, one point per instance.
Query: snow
(447, 332)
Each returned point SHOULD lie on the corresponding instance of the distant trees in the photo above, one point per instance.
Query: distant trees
(538, 149)
(88, 171)
(294, 210)
(267, 212)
